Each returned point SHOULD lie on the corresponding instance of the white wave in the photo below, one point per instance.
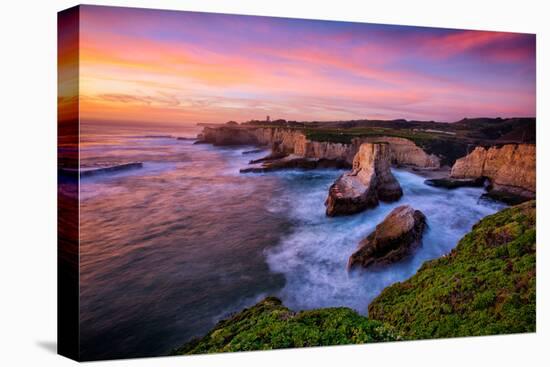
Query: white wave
(314, 256)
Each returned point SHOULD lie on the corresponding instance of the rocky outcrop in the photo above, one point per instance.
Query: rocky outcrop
(455, 183)
(270, 157)
(511, 169)
(101, 168)
(392, 240)
(227, 135)
(407, 153)
(485, 285)
(293, 141)
(369, 181)
(253, 151)
(294, 162)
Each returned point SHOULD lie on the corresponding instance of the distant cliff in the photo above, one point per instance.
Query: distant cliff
(294, 141)
(510, 168)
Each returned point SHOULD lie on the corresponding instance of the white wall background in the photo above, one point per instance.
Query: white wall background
(28, 181)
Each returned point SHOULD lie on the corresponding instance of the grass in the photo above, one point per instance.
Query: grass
(485, 286)
(345, 135)
(270, 325)
(449, 149)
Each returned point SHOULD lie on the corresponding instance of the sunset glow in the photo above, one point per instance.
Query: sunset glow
(184, 67)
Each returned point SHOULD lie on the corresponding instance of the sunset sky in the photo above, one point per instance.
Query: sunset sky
(183, 67)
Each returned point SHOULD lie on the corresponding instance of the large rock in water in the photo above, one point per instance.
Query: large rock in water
(486, 285)
(392, 240)
(369, 181)
(511, 168)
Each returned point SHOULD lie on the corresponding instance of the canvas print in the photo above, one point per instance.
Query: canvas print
(239, 183)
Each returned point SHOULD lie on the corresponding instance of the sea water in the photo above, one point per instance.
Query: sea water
(169, 249)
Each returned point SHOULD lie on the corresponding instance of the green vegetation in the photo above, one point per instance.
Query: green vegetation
(270, 325)
(486, 285)
(449, 141)
(346, 135)
(448, 148)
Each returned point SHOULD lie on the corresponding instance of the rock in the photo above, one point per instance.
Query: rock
(228, 135)
(392, 240)
(369, 181)
(270, 157)
(98, 169)
(505, 197)
(450, 183)
(253, 151)
(406, 153)
(293, 141)
(511, 169)
(486, 285)
(295, 163)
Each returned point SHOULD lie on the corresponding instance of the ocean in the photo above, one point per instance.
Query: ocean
(170, 248)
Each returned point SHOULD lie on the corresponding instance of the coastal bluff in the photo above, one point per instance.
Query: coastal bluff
(510, 169)
(369, 181)
(294, 141)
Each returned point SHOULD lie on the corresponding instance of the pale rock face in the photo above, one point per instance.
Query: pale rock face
(393, 239)
(510, 168)
(369, 181)
(406, 152)
(402, 151)
(336, 151)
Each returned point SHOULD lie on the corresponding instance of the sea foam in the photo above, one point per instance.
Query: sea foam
(314, 255)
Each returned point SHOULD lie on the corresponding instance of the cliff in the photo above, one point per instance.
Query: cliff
(511, 168)
(369, 181)
(486, 285)
(294, 141)
(270, 325)
(405, 152)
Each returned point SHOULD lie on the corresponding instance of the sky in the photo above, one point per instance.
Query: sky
(179, 67)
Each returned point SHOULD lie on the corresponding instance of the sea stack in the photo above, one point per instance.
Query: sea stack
(511, 169)
(393, 239)
(369, 182)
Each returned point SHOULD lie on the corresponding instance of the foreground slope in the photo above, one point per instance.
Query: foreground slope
(486, 285)
(270, 325)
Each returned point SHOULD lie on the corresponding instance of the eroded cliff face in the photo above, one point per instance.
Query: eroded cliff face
(402, 151)
(406, 152)
(369, 182)
(510, 168)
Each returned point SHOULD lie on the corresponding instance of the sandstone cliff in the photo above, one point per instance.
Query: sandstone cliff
(291, 141)
(511, 168)
(406, 152)
(369, 181)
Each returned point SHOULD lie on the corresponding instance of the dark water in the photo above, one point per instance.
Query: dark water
(169, 249)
